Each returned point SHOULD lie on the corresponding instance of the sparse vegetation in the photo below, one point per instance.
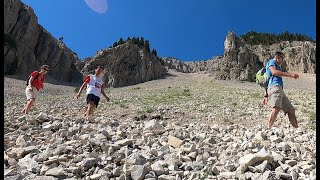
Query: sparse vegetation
(138, 41)
(76, 89)
(255, 38)
(312, 116)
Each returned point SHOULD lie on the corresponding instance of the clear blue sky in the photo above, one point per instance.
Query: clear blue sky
(184, 29)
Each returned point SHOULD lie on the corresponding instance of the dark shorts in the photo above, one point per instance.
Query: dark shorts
(94, 98)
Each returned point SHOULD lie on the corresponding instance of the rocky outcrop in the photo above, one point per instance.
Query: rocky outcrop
(34, 46)
(178, 65)
(241, 61)
(300, 55)
(238, 62)
(125, 64)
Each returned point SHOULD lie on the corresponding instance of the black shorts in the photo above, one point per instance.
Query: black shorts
(94, 98)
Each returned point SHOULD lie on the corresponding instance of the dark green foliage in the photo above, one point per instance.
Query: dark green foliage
(141, 42)
(147, 46)
(255, 38)
(138, 41)
(154, 51)
(161, 61)
(9, 41)
(135, 40)
(120, 41)
(12, 67)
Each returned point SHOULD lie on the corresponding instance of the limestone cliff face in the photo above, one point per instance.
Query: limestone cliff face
(125, 64)
(178, 65)
(300, 56)
(241, 61)
(34, 46)
(238, 62)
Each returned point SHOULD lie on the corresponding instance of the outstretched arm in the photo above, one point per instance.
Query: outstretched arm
(84, 84)
(103, 93)
(276, 72)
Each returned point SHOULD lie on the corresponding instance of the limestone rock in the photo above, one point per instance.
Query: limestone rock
(251, 159)
(154, 126)
(174, 141)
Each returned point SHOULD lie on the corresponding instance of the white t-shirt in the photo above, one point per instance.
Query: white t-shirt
(94, 84)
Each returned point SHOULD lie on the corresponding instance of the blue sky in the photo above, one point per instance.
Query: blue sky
(184, 29)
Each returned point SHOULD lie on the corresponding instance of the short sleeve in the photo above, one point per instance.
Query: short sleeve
(87, 79)
(34, 73)
(272, 63)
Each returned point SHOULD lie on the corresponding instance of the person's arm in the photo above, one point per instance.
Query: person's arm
(103, 93)
(276, 72)
(265, 92)
(84, 84)
(30, 81)
(264, 101)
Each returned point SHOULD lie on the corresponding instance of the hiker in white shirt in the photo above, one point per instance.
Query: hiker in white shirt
(95, 87)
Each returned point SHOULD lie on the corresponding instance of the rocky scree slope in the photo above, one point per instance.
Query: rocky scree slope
(186, 126)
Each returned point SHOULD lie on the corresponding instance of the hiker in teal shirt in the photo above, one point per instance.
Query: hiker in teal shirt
(275, 96)
(274, 80)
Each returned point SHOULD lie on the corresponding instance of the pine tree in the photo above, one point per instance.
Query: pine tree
(147, 46)
(154, 51)
(121, 41)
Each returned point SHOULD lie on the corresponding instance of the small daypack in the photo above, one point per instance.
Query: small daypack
(33, 78)
(262, 78)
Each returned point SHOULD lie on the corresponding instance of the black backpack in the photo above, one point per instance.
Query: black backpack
(33, 78)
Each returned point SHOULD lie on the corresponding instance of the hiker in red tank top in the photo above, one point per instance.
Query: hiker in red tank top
(34, 84)
(38, 82)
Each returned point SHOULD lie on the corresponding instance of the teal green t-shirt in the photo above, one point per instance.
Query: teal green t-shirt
(274, 80)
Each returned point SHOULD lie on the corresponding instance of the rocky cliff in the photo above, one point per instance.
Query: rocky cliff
(241, 61)
(33, 46)
(300, 55)
(178, 65)
(238, 62)
(125, 64)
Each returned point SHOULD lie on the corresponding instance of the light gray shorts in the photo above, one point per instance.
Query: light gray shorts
(277, 98)
(31, 94)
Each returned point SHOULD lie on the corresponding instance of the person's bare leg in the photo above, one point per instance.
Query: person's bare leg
(292, 118)
(86, 114)
(89, 109)
(28, 106)
(92, 108)
(273, 116)
(24, 109)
